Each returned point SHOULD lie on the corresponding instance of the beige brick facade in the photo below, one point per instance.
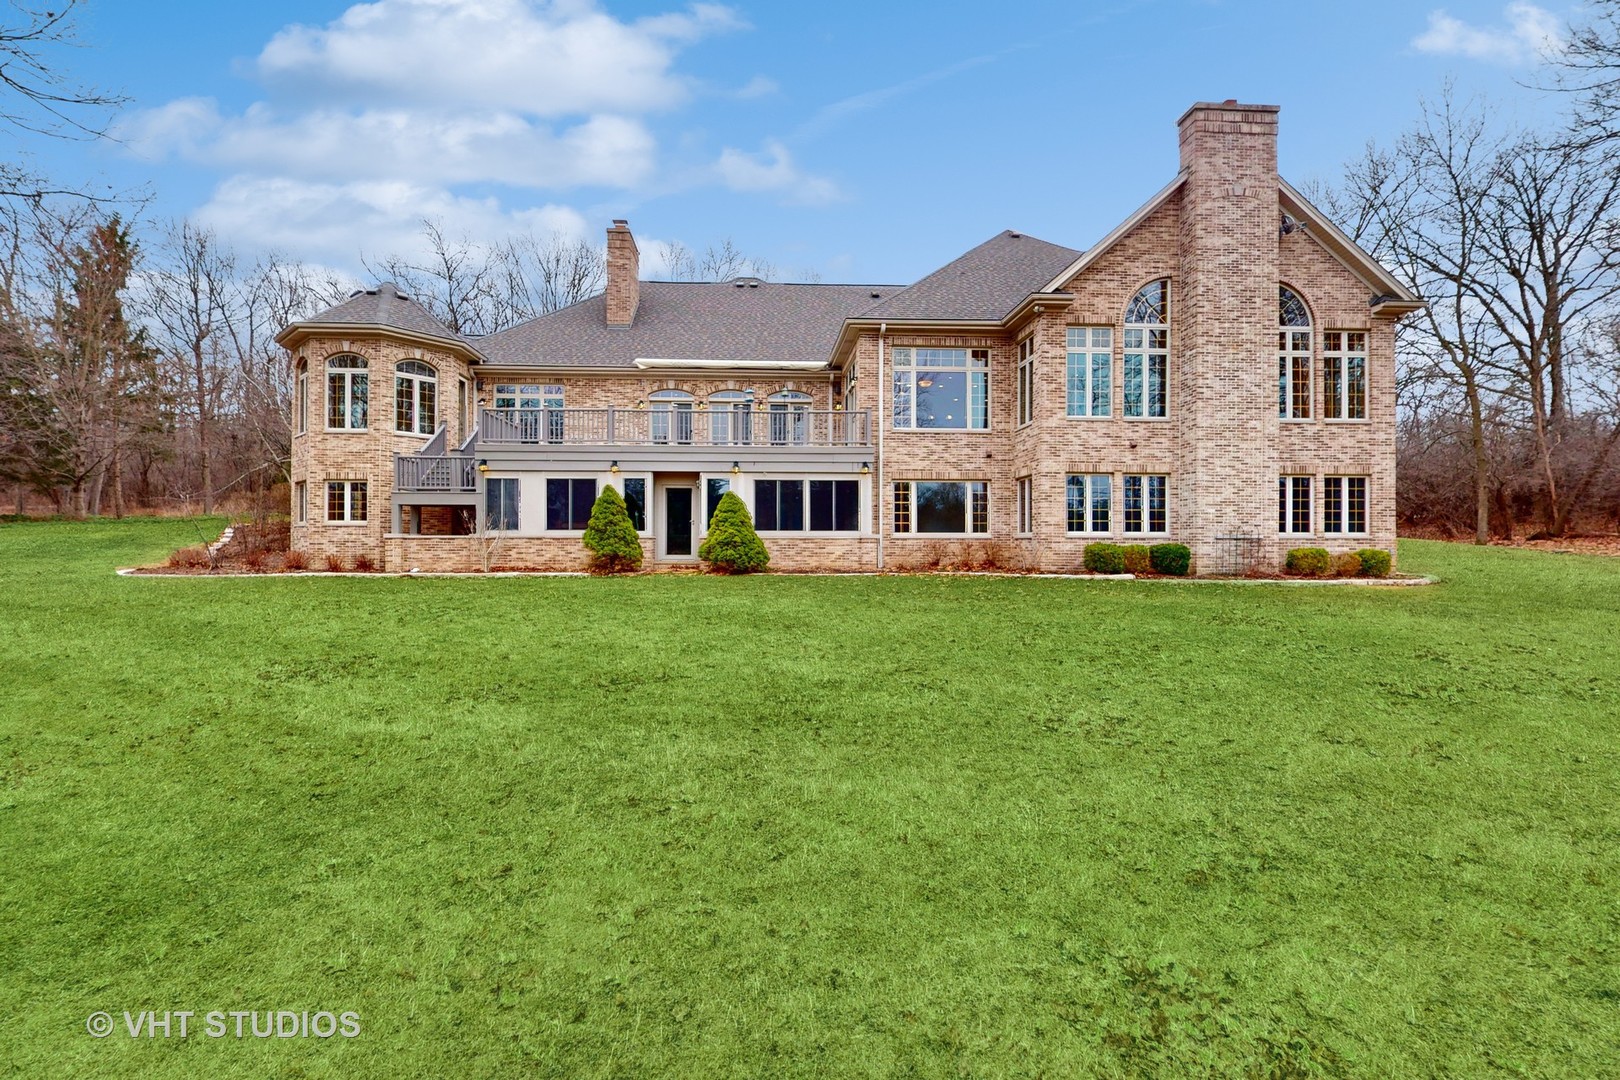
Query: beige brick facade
(1222, 239)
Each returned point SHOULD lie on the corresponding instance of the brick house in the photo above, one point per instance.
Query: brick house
(1218, 370)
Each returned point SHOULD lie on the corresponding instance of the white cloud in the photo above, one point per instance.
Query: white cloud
(773, 170)
(548, 59)
(1530, 32)
(339, 222)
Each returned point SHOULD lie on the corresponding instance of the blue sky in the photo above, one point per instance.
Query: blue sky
(862, 142)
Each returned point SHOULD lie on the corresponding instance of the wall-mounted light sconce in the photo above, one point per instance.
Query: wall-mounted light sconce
(735, 468)
(614, 468)
(866, 468)
(483, 466)
(837, 407)
(641, 404)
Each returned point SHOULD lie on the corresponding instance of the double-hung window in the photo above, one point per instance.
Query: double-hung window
(941, 388)
(345, 501)
(1293, 504)
(1146, 504)
(416, 392)
(1293, 356)
(1025, 396)
(501, 504)
(348, 392)
(568, 503)
(1344, 504)
(1147, 352)
(959, 507)
(1344, 375)
(1090, 502)
(1088, 388)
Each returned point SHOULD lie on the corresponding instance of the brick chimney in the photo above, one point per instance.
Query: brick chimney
(623, 275)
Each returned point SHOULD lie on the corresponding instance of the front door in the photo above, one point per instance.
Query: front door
(678, 503)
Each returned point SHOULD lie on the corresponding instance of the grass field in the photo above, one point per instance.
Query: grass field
(780, 826)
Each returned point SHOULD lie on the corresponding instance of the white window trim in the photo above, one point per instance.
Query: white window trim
(1344, 355)
(301, 502)
(896, 367)
(1024, 507)
(348, 393)
(1286, 383)
(1147, 354)
(1090, 351)
(863, 525)
(1310, 504)
(347, 521)
(1113, 515)
(416, 381)
(1341, 480)
(912, 534)
(1147, 512)
(1024, 384)
(302, 413)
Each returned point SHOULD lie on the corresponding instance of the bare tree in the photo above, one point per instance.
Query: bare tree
(1589, 68)
(716, 263)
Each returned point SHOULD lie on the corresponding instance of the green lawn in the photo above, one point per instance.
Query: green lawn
(785, 826)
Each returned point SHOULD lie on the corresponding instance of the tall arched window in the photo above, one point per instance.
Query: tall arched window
(348, 391)
(416, 394)
(731, 417)
(1293, 356)
(790, 418)
(671, 416)
(1147, 351)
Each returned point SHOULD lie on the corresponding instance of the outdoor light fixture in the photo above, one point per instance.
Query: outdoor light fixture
(613, 468)
(483, 466)
(735, 468)
(866, 467)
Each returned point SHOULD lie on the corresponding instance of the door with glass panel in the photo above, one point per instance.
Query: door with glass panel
(790, 418)
(677, 533)
(671, 416)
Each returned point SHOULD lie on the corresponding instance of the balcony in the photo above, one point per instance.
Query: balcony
(673, 428)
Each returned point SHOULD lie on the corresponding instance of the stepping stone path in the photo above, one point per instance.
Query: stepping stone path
(224, 538)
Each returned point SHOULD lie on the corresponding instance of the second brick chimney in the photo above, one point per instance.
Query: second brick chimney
(623, 275)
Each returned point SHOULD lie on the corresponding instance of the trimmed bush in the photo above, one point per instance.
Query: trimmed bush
(1105, 558)
(1172, 559)
(1374, 563)
(1137, 559)
(1346, 564)
(732, 546)
(1309, 562)
(610, 537)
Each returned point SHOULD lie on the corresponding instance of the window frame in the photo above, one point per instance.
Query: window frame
(807, 495)
(1147, 482)
(1146, 352)
(1296, 342)
(416, 381)
(1290, 510)
(300, 502)
(1024, 520)
(905, 369)
(516, 486)
(301, 410)
(1024, 384)
(1337, 493)
(1084, 355)
(356, 382)
(350, 487)
(975, 508)
(1088, 488)
(1338, 358)
(571, 479)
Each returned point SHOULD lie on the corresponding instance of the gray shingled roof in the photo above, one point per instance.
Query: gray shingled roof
(984, 284)
(679, 320)
(385, 306)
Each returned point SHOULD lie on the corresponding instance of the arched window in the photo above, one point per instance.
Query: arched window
(671, 416)
(790, 418)
(348, 391)
(416, 394)
(1147, 351)
(1293, 356)
(731, 417)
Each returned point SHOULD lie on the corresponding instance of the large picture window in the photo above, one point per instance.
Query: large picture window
(1146, 504)
(1293, 504)
(1147, 352)
(568, 503)
(345, 501)
(1090, 503)
(348, 392)
(1344, 504)
(942, 506)
(416, 392)
(501, 504)
(941, 388)
(819, 505)
(1344, 375)
(1088, 389)
(1293, 356)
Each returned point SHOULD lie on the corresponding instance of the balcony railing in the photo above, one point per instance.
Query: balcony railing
(673, 427)
(441, 472)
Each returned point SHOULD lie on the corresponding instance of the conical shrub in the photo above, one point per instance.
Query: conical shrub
(609, 536)
(732, 546)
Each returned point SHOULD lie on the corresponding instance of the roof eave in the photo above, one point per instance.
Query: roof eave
(1348, 252)
(1118, 233)
(293, 334)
